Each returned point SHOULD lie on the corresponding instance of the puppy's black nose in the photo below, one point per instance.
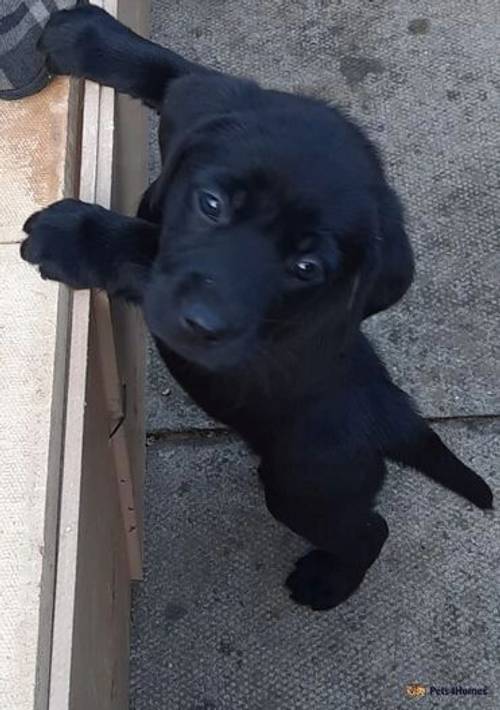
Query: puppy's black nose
(201, 322)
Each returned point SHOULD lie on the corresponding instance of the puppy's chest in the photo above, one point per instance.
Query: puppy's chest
(248, 404)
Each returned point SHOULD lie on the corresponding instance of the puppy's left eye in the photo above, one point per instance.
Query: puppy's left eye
(308, 268)
(210, 205)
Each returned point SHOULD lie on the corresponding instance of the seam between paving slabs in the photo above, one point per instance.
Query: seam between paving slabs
(205, 433)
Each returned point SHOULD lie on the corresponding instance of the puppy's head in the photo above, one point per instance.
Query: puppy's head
(269, 225)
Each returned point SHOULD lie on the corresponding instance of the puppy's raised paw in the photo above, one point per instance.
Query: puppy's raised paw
(71, 38)
(58, 243)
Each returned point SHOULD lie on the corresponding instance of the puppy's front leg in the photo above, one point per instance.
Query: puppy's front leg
(87, 246)
(88, 42)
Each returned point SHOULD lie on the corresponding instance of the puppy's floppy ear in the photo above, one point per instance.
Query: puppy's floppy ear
(364, 258)
(181, 144)
(151, 206)
(364, 278)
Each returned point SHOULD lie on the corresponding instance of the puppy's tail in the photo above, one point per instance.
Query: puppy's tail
(428, 454)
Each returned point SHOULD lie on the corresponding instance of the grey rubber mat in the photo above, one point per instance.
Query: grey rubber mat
(215, 630)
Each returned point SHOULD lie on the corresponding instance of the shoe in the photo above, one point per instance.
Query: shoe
(22, 66)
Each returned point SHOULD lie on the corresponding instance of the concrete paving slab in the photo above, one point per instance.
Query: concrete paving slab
(214, 628)
(423, 78)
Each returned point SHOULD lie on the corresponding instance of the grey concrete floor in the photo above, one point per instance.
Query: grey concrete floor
(213, 627)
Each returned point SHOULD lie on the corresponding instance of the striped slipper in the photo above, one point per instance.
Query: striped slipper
(22, 67)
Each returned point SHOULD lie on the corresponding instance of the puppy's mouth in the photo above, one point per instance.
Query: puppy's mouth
(229, 353)
(200, 328)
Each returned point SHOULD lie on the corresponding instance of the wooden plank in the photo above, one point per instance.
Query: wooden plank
(88, 538)
(120, 327)
(106, 341)
(100, 545)
(108, 351)
(99, 652)
(130, 181)
(90, 652)
(71, 488)
(114, 400)
(64, 657)
(71, 484)
(59, 625)
(34, 323)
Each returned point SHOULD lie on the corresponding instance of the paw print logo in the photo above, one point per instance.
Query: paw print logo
(415, 690)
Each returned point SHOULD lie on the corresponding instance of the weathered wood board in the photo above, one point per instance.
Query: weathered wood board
(71, 496)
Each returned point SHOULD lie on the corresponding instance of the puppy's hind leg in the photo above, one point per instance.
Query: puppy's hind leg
(349, 535)
(323, 579)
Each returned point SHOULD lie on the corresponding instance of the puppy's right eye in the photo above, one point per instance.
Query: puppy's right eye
(210, 205)
(308, 268)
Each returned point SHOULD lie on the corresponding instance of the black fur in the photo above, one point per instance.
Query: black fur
(269, 235)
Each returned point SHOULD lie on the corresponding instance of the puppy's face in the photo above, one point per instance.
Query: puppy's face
(264, 227)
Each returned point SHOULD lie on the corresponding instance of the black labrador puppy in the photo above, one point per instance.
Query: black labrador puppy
(269, 235)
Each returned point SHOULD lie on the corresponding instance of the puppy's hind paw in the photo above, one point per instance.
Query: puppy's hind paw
(319, 582)
(322, 581)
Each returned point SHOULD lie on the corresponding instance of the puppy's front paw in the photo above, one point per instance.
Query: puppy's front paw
(58, 243)
(71, 39)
